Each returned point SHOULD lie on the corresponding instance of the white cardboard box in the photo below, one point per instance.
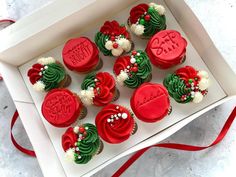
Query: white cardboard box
(45, 32)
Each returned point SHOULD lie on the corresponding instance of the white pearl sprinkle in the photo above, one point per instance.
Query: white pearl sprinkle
(112, 116)
(77, 149)
(79, 157)
(132, 60)
(117, 107)
(75, 144)
(138, 54)
(41, 69)
(45, 67)
(115, 115)
(119, 114)
(95, 80)
(40, 73)
(117, 118)
(108, 120)
(112, 120)
(80, 135)
(124, 115)
(128, 67)
(86, 128)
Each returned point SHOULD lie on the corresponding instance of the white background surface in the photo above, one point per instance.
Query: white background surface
(215, 162)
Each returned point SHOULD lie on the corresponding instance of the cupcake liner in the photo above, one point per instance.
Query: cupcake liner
(116, 95)
(100, 149)
(99, 65)
(65, 82)
(149, 78)
(170, 110)
(83, 113)
(135, 128)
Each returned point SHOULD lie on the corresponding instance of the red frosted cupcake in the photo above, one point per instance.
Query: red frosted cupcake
(81, 55)
(61, 108)
(98, 89)
(150, 102)
(115, 123)
(167, 48)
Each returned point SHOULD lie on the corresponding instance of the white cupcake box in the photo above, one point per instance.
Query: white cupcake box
(44, 33)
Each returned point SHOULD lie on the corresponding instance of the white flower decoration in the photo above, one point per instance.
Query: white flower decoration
(39, 86)
(139, 30)
(122, 77)
(87, 96)
(117, 52)
(160, 9)
(125, 44)
(108, 45)
(70, 155)
(197, 97)
(46, 60)
(204, 84)
(203, 74)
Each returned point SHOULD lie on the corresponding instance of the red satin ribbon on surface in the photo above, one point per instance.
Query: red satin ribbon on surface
(183, 147)
(19, 147)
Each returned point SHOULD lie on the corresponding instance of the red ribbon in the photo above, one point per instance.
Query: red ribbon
(19, 147)
(183, 147)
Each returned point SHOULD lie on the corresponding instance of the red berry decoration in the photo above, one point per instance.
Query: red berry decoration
(113, 38)
(134, 52)
(81, 129)
(147, 17)
(115, 45)
(134, 69)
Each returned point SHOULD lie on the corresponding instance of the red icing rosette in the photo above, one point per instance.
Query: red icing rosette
(166, 48)
(80, 54)
(121, 64)
(106, 88)
(137, 11)
(115, 123)
(69, 139)
(33, 73)
(186, 73)
(61, 107)
(113, 28)
(150, 102)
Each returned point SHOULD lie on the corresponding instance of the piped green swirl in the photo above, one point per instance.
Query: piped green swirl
(89, 146)
(157, 23)
(177, 88)
(88, 81)
(52, 76)
(100, 40)
(143, 73)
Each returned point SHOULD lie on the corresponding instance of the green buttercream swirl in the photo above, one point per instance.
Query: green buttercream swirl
(52, 76)
(88, 81)
(177, 88)
(100, 40)
(89, 146)
(144, 71)
(156, 23)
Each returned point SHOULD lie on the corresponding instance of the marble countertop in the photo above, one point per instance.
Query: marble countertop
(217, 16)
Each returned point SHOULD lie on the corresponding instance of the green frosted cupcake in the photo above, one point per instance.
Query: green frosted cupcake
(187, 84)
(48, 74)
(81, 143)
(133, 70)
(145, 20)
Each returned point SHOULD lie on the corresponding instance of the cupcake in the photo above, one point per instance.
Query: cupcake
(81, 143)
(61, 108)
(150, 102)
(48, 74)
(115, 123)
(166, 49)
(145, 20)
(98, 89)
(81, 55)
(187, 84)
(113, 39)
(133, 70)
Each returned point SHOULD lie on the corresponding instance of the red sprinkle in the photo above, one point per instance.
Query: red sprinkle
(115, 45)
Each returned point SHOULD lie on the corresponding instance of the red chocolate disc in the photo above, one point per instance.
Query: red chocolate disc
(80, 54)
(150, 102)
(114, 123)
(166, 48)
(61, 107)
